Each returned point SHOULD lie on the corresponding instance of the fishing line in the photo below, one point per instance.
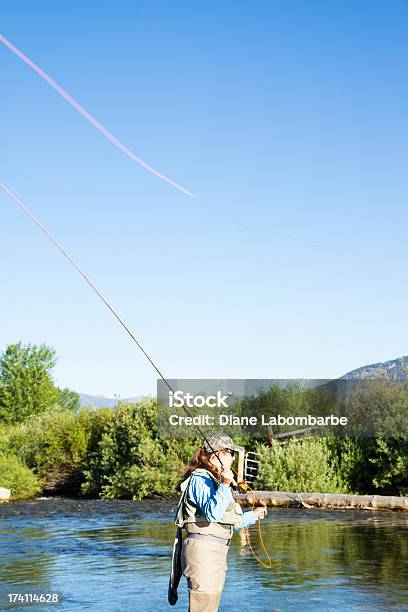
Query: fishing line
(115, 141)
(105, 132)
(257, 228)
(268, 565)
(62, 92)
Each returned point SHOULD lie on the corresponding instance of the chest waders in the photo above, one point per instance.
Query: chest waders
(202, 555)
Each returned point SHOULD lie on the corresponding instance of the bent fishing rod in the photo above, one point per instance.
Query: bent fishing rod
(62, 249)
(242, 486)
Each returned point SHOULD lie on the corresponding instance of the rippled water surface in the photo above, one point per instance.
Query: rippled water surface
(115, 555)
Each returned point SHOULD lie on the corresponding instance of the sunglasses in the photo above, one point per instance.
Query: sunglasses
(226, 450)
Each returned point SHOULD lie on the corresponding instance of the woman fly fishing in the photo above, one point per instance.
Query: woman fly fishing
(208, 514)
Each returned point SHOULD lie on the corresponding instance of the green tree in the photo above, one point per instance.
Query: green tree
(26, 385)
(70, 400)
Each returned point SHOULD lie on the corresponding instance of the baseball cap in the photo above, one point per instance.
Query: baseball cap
(219, 441)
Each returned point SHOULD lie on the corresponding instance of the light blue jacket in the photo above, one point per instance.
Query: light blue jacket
(213, 501)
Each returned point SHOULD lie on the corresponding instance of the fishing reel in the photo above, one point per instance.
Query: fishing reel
(242, 486)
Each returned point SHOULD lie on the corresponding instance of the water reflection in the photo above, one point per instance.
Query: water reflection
(113, 555)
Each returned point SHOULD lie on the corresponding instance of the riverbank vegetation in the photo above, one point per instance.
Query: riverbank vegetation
(48, 445)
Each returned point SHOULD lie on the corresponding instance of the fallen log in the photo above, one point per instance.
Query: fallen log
(282, 499)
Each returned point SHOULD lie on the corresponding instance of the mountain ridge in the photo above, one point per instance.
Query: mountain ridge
(100, 401)
(394, 369)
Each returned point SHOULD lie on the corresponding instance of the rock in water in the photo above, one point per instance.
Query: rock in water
(4, 494)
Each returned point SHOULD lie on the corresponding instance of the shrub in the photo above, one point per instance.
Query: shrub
(305, 465)
(391, 466)
(17, 477)
(126, 457)
(52, 444)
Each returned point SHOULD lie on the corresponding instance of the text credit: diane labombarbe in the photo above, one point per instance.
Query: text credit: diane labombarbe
(234, 407)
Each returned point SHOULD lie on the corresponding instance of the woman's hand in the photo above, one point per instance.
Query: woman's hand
(260, 512)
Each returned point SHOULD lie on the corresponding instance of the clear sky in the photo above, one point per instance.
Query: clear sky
(286, 116)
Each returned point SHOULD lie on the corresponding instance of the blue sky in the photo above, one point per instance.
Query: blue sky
(289, 117)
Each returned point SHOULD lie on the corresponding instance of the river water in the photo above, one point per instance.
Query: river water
(115, 555)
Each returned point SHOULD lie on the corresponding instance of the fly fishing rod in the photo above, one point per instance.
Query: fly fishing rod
(242, 486)
(61, 248)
